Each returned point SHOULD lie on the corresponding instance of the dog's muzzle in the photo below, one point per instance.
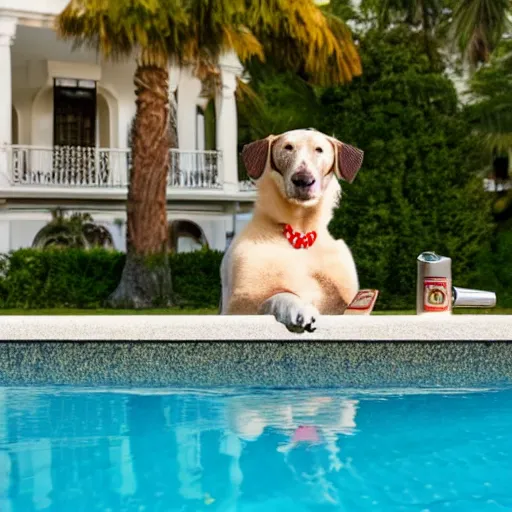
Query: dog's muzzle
(303, 180)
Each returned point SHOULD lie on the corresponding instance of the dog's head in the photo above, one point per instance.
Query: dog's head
(302, 163)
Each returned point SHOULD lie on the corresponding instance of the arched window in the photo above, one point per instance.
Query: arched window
(186, 236)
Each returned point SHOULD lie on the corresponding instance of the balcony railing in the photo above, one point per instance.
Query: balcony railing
(67, 166)
(492, 185)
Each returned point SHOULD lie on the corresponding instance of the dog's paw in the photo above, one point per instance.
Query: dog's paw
(299, 318)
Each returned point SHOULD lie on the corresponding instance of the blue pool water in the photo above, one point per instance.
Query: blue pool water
(72, 450)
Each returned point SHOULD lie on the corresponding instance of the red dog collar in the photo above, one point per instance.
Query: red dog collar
(299, 240)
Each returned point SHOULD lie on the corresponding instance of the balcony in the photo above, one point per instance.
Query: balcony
(102, 172)
(492, 185)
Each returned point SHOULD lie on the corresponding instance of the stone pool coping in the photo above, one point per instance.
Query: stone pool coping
(213, 351)
(261, 328)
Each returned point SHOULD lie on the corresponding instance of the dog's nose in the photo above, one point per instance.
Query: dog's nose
(303, 179)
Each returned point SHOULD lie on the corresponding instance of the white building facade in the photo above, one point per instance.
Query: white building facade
(65, 118)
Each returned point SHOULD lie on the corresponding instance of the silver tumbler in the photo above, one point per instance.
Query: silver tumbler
(434, 284)
(434, 290)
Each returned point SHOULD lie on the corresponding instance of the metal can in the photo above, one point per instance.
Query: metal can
(434, 284)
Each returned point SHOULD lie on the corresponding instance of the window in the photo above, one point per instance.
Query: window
(186, 236)
(74, 107)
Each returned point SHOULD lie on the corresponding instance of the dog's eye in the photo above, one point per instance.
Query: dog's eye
(288, 147)
(319, 150)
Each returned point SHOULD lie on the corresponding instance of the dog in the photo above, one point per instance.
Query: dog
(285, 262)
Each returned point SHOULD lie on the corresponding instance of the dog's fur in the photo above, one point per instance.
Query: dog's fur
(261, 272)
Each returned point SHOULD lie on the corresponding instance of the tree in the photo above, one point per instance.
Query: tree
(478, 26)
(490, 110)
(475, 26)
(422, 14)
(294, 34)
(489, 114)
(419, 188)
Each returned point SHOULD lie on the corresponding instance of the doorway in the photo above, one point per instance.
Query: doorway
(74, 132)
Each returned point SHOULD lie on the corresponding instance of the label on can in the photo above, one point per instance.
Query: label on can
(436, 294)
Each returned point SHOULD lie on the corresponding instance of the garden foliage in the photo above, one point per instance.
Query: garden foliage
(78, 278)
(420, 186)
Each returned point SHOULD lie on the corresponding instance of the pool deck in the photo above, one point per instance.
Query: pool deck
(206, 351)
(261, 328)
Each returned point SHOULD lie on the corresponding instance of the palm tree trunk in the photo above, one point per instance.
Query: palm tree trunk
(146, 277)
(426, 33)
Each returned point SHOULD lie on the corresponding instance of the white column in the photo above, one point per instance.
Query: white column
(189, 88)
(226, 120)
(7, 34)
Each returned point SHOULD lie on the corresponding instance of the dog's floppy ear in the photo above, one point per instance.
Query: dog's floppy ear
(255, 156)
(347, 160)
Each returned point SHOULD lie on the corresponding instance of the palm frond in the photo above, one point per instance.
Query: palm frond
(243, 42)
(250, 106)
(492, 120)
(116, 28)
(490, 111)
(296, 33)
(302, 38)
(478, 26)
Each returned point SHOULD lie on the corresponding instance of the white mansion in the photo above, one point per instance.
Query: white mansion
(64, 124)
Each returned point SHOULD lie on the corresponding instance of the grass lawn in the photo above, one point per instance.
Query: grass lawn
(204, 311)
(102, 311)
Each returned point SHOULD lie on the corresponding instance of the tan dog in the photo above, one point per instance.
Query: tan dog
(269, 268)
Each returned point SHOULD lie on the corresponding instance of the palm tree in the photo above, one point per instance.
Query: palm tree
(478, 26)
(294, 33)
(78, 231)
(490, 110)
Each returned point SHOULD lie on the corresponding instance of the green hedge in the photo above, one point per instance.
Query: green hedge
(76, 278)
(31, 278)
(495, 269)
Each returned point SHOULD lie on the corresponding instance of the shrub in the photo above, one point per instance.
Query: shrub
(495, 269)
(75, 278)
(196, 278)
(32, 278)
(419, 189)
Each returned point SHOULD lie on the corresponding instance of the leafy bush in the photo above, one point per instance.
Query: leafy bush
(32, 278)
(419, 188)
(77, 278)
(495, 269)
(196, 278)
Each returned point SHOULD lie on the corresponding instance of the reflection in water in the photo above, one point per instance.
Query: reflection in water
(79, 450)
(62, 450)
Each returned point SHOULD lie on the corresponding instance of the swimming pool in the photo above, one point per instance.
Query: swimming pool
(248, 450)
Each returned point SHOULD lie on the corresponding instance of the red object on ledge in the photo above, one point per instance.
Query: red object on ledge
(363, 303)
